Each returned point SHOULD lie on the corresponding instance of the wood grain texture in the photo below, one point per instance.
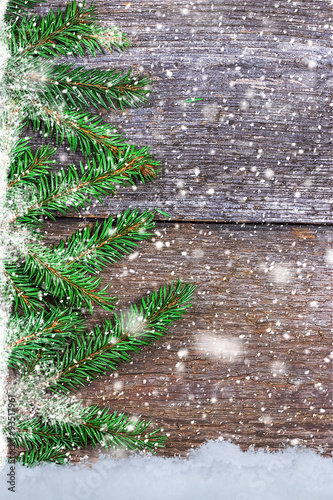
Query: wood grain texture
(252, 359)
(258, 146)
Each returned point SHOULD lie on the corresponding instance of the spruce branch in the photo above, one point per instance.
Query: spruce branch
(82, 87)
(26, 167)
(32, 433)
(68, 33)
(62, 270)
(69, 285)
(44, 454)
(116, 430)
(104, 348)
(26, 295)
(65, 191)
(86, 131)
(80, 128)
(46, 331)
(19, 7)
(96, 427)
(104, 243)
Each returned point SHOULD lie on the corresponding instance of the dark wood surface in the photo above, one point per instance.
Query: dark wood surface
(258, 146)
(252, 360)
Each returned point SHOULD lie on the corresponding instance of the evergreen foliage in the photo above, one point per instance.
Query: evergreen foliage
(47, 343)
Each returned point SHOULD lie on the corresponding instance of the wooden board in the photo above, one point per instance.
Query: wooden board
(257, 147)
(252, 359)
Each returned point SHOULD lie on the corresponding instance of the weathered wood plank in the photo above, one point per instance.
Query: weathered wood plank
(252, 360)
(257, 147)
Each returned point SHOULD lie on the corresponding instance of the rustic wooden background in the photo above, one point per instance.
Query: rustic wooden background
(247, 179)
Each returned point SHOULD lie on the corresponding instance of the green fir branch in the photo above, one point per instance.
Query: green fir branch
(86, 131)
(44, 454)
(23, 291)
(46, 341)
(47, 331)
(104, 243)
(66, 285)
(103, 349)
(68, 33)
(64, 85)
(96, 427)
(82, 87)
(81, 128)
(26, 167)
(20, 7)
(33, 433)
(65, 191)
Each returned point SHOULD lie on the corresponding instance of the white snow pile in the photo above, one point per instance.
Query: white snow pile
(217, 470)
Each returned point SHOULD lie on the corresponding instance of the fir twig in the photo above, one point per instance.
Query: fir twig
(82, 87)
(26, 167)
(104, 348)
(97, 426)
(44, 330)
(19, 7)
(44, 454)
(104, 243)
(67, 33)
(65, 191)
(87, 132)
(96, 87)
(64, 284)
(22, 289)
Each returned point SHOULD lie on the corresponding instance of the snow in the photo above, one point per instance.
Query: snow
(217, 470)
(217, 347)
(4, 312)
(329, 256)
